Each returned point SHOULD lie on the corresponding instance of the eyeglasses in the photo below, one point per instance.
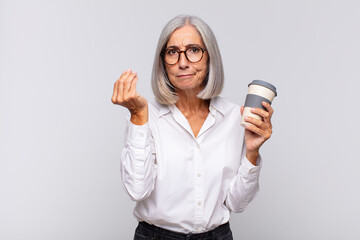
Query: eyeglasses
(193, 54)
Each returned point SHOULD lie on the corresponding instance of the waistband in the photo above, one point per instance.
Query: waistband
(164, 232)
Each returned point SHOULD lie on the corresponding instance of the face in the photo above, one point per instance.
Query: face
(185, 75)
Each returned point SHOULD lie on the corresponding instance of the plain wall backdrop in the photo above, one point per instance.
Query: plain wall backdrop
(61, 137)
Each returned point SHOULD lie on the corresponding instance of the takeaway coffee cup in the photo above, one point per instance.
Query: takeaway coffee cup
(258, 92)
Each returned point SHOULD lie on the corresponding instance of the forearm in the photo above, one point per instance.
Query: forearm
(244, 186)
(138, 169)
(252, 156)
(140, 116)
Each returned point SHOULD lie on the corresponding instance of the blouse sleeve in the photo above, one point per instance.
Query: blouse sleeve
(137, 166)
(245, 185)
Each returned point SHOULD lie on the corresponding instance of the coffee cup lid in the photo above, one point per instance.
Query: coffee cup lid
(264, 84)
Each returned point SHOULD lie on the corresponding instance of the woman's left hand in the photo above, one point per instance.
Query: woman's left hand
(257, 131)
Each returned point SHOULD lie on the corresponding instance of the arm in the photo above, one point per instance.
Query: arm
(245, 185)
(257, 131)
(137, 166)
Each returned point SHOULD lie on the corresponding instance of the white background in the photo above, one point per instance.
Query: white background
(61, 137)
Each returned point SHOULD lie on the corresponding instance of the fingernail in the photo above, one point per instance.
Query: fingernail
(246, 118)
(129, 70)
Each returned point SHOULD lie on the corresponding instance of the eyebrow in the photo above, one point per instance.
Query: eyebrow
(187, 46)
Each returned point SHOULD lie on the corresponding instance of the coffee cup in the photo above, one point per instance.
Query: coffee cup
(259, 91)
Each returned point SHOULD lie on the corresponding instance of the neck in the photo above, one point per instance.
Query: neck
(190, 104)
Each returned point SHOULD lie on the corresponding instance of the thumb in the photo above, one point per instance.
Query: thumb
(242, 110)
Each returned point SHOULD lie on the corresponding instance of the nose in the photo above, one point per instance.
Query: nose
(183, 62)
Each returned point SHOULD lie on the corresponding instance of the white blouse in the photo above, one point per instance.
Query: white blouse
(185, 183)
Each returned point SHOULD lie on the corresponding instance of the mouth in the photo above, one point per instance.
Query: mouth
(185, 75)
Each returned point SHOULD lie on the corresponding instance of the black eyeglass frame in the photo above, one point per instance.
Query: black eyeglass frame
(179, 52)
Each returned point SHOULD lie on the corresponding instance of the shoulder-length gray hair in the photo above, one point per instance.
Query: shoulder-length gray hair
(163, 90)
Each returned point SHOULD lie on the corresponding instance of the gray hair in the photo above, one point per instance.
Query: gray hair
(163, 90)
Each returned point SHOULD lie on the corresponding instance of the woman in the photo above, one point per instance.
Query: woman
(187, 162)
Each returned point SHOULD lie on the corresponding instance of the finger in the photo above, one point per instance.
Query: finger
(254, 129)
(264, 135)
(132, 89)
(125, 74)
(258, 123)
(241, 110)
(268, 107)
(120, 96)
(128, 81)
(262, 113)
(115, 92)
(270, 111)
(124, 78)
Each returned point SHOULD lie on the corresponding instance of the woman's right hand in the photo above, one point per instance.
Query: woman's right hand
(125, 94)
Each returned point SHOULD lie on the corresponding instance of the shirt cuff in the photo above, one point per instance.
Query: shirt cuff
(137, 135)
(247, 168)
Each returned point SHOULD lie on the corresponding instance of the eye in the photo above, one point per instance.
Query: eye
(194, 50)
(171, 52)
